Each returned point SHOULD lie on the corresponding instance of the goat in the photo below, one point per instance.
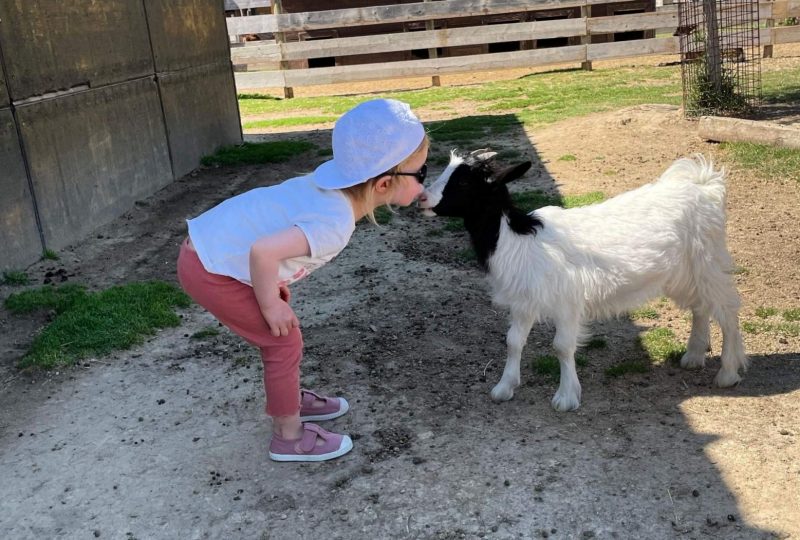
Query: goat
(572, 266)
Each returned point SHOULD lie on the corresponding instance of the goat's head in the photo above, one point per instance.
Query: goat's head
(469, 184)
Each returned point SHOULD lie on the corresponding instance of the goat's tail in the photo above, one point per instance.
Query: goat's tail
(699, 171)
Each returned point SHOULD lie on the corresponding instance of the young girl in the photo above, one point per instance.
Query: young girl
(241, 256)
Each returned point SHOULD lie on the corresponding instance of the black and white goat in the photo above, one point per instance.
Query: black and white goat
(577, 265)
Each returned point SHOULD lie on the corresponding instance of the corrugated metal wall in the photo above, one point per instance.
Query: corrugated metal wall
(102, 103)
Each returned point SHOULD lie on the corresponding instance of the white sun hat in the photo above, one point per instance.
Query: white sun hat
(368, 140)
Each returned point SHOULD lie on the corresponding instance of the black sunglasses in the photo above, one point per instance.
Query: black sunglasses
(420, 175)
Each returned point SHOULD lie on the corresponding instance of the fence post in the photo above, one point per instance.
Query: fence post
(430, 25)
(280, 39)
(770, 24)
(586, 12)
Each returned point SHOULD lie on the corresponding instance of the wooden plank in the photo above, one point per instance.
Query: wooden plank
(447, 37)
(266, 52)
(413, 68)
(452, 37)
(232, 5)
(639, 47)
(398, 13)
(636, 21)
(785, 34)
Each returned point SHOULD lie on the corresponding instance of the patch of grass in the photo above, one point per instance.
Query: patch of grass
(58, 298)
(758, 327)
(95, 324)
(766, 312)
(254, 153)
(469, 129)
(205, 333)
(467, 255)
(623, 368)
(535, 100)
(383, 215)
(740, 271)
(257, 96)
(549, 366)
(567, 157)
(661, 345)
(585, 199)
(531, 200)
(595, 343)
(15, 277)
(792, 314)
(645, 312)
(50, 255)
(454, 224)
(289, 122)
(769, 161)
(508, 154)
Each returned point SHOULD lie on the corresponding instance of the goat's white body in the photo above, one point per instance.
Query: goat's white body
(664, 238)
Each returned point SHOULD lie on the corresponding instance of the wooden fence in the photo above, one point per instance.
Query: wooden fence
(279, 53)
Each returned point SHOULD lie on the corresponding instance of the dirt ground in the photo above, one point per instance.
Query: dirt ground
(168, 440)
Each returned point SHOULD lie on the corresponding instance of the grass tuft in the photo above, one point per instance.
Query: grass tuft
(207, 332)
(787, 328)
(766, 312)
(567, 157)
(792, 314)
(15, 277)
(643, 313)
(95, 324)
(549, 366)
(255, 153)
(661, 346)
(769, 161)
(50, 255)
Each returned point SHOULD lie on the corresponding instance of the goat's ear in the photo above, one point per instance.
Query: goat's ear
(512, 173)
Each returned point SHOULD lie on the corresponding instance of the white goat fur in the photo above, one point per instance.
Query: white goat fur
(664, 238)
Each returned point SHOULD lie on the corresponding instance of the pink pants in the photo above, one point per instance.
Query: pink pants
(234, 304)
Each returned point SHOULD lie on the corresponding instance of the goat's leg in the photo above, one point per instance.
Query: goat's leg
(695, 357)
(733, 355)
(568, 396)
(719, 292)
(521, 323)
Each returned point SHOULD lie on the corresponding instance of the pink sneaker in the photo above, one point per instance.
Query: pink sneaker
(316, 444)
(333, 407)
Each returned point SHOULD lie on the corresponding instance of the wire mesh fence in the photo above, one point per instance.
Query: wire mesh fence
(720, 56)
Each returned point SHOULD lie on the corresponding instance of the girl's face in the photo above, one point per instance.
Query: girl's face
(406, 189)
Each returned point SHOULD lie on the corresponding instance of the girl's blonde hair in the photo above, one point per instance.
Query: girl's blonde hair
(364, 194)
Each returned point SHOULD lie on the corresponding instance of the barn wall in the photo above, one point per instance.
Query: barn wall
(102, 103)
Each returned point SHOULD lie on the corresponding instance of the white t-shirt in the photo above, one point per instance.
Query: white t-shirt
(222, 236)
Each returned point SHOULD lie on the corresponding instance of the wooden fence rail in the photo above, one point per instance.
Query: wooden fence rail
(271, 53)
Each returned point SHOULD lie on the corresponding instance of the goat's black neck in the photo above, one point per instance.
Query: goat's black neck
(484, 228)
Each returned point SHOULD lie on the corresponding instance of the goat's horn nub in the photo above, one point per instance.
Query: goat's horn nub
(483, 154)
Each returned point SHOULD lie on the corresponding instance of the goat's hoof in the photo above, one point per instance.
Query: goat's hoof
(565, 401)
(725, 379)
(502, 392)
(693, 361)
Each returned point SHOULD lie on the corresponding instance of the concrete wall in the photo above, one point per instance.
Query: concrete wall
(112, 100)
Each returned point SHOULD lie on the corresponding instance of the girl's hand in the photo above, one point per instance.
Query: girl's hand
(280, 318)
(285, 293)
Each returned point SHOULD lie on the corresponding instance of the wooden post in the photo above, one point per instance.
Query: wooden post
(586, 12)
(277, 9)
(770, 24)
(713, 56)
(429, 25)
